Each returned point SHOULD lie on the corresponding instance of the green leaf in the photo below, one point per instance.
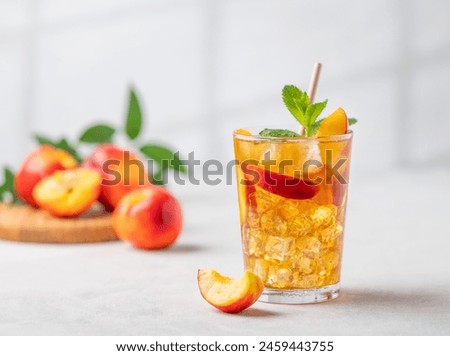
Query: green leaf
(97, 134)
(352, 121)
(63, 144)
(134, 117)
(299, 105)
(296, 102)
(315, 127)
(8, 186)
(2, 192)
(42, 140)
(314, 110)
(278, 133)
(164, 157)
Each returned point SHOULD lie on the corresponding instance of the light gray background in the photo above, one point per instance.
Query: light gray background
(203, 68)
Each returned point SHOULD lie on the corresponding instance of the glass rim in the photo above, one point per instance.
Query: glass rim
(333, 138)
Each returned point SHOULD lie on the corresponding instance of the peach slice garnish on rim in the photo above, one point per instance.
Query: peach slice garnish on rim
(243, 132)
(334, 124)
(228, 294)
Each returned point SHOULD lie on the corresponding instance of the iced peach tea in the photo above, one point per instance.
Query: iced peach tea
(292, 198)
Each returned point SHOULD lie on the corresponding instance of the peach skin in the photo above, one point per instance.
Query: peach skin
(121, 171)
(148, 218)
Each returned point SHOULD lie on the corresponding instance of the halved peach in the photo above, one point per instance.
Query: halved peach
(68, 193)
(227, 294)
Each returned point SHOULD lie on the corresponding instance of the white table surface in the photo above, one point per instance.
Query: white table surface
(396, 274)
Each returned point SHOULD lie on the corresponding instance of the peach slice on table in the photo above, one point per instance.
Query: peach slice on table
(228, 294)
(39, 164)
(280, 184)
(68, 193)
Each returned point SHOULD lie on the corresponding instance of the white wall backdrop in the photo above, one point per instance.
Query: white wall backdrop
(205, 67)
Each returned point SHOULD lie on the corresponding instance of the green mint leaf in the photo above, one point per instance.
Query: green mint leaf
(299, 105)
(352, 121)
(42, 140)
(164, 157)
(278, 133)
(97, 134)
(313, 112)
(314, 127)
(133, 123)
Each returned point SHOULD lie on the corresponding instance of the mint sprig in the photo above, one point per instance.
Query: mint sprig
(299, 105)
(278, 133)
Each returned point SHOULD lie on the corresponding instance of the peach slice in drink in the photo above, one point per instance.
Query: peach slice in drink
(280, 184)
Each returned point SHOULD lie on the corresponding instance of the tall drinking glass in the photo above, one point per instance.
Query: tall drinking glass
(292, 198)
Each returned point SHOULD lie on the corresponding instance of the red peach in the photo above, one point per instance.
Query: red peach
(122, 172)
(148, 218)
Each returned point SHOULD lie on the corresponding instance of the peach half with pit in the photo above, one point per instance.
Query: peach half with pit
(68, 193)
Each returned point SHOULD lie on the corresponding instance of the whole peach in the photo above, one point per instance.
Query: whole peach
(148, 218)
(122, 172)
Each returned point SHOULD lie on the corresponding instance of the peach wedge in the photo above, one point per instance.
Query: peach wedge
(334, 124)
(227, 294)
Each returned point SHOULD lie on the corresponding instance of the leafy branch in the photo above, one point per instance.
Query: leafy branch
(163, 158)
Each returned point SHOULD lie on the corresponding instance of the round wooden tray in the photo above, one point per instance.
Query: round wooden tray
(23, 223)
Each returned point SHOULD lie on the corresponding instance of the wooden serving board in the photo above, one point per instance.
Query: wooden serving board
(23, 223)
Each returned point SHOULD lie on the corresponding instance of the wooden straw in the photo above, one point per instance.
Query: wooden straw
(314, 81)
(313, 87)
